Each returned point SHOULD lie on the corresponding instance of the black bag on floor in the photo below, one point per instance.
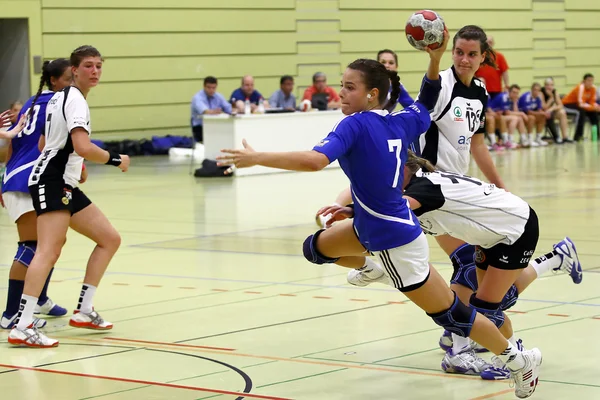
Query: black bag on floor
(210, 169)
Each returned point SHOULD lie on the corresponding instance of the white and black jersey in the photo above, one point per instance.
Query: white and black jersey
(66, 111)
(466, 208)
(458, 115)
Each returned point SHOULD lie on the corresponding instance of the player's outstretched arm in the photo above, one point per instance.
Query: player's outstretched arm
(88, 150)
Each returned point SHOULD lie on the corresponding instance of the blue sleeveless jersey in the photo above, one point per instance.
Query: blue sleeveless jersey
(372, 148)
(25, 146)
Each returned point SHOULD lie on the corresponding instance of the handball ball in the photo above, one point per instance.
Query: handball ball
(306, 105)
(425, 28)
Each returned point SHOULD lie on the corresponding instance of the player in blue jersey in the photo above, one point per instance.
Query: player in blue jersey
(384, 223)
(24, 151)
(531, 103)
(389, 59)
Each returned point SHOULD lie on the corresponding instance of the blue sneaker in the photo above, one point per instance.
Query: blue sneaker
(498, 371)
(8, 322)
(50, 308)
(569, 260)
(446, 341)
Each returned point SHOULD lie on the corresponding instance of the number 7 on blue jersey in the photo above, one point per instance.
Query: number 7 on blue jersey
(397, 145)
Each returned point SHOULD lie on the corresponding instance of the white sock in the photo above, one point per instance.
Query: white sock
(513, 341)
(539, 135)
(512, 357)
(492, 138)
(26, 309)
(545, 263)
(85, 304)
(459, 343)
(371, 268)
(505, 137)
(532, 137)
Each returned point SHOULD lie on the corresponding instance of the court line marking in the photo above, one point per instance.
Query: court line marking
(191, 346)
(340, 364)
(143, 382)
(492, 395)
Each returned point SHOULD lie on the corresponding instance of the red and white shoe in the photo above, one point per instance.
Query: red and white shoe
(91, 320)
(30, 337)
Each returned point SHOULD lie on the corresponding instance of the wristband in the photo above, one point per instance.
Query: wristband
(114, 159)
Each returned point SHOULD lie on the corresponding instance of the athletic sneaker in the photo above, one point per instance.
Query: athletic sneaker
(91, 320)
(367, 275)
(446, 343)
(50, 308)
(498, 371)
(526, 378)
(7, 322)
(30, 337)
(569, 260)
(466, 362)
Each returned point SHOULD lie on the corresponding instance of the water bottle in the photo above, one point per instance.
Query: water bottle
(594, 133)
(247, 109)
(261, 106)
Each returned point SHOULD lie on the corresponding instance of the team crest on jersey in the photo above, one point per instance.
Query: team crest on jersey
(457, 114)
(426, 225)
(67, 196)
(479, 255)
(322, 143)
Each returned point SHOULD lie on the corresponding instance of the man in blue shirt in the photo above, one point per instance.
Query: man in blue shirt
(284, 98)
(207, 101)
(246, 92)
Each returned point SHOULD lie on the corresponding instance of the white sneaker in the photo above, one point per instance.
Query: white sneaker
(91, 320)
(465, 362)
(30, 337)
(367, 275)
(569, 260)
(526, 378)
(541, 141)
(533, 143)
(8, 323)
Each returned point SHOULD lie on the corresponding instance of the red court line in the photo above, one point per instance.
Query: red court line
(249, 292)
(191, 346)
(595, 317)
(321, 297)
(492, 395)
(559, 315)
(359, 299)
(287, 294)
(169, 385)
(517, 312)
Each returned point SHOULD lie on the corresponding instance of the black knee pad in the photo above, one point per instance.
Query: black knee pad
(492, 311)
(457, 319)
(309, 248)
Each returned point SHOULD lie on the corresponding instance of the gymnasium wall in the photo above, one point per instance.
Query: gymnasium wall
(158, 51)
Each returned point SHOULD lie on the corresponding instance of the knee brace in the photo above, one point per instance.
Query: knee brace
(491, 311)
(309, 249)
(25, 252)
(463, 261)
(510, 298)
(457, 319)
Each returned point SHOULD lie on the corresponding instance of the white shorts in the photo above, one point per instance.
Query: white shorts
(407, 266)
(17, 204)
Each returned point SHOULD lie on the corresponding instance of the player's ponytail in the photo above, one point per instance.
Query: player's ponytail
(473, 32)
(395, 80)
(415, 163)
(50, 69)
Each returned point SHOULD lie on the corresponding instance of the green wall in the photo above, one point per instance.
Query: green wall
(158, 51)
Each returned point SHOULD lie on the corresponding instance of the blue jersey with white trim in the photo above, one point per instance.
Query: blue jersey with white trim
(25, 145)
(372, 148)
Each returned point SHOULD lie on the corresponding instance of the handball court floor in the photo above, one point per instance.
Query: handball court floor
(211, 297)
